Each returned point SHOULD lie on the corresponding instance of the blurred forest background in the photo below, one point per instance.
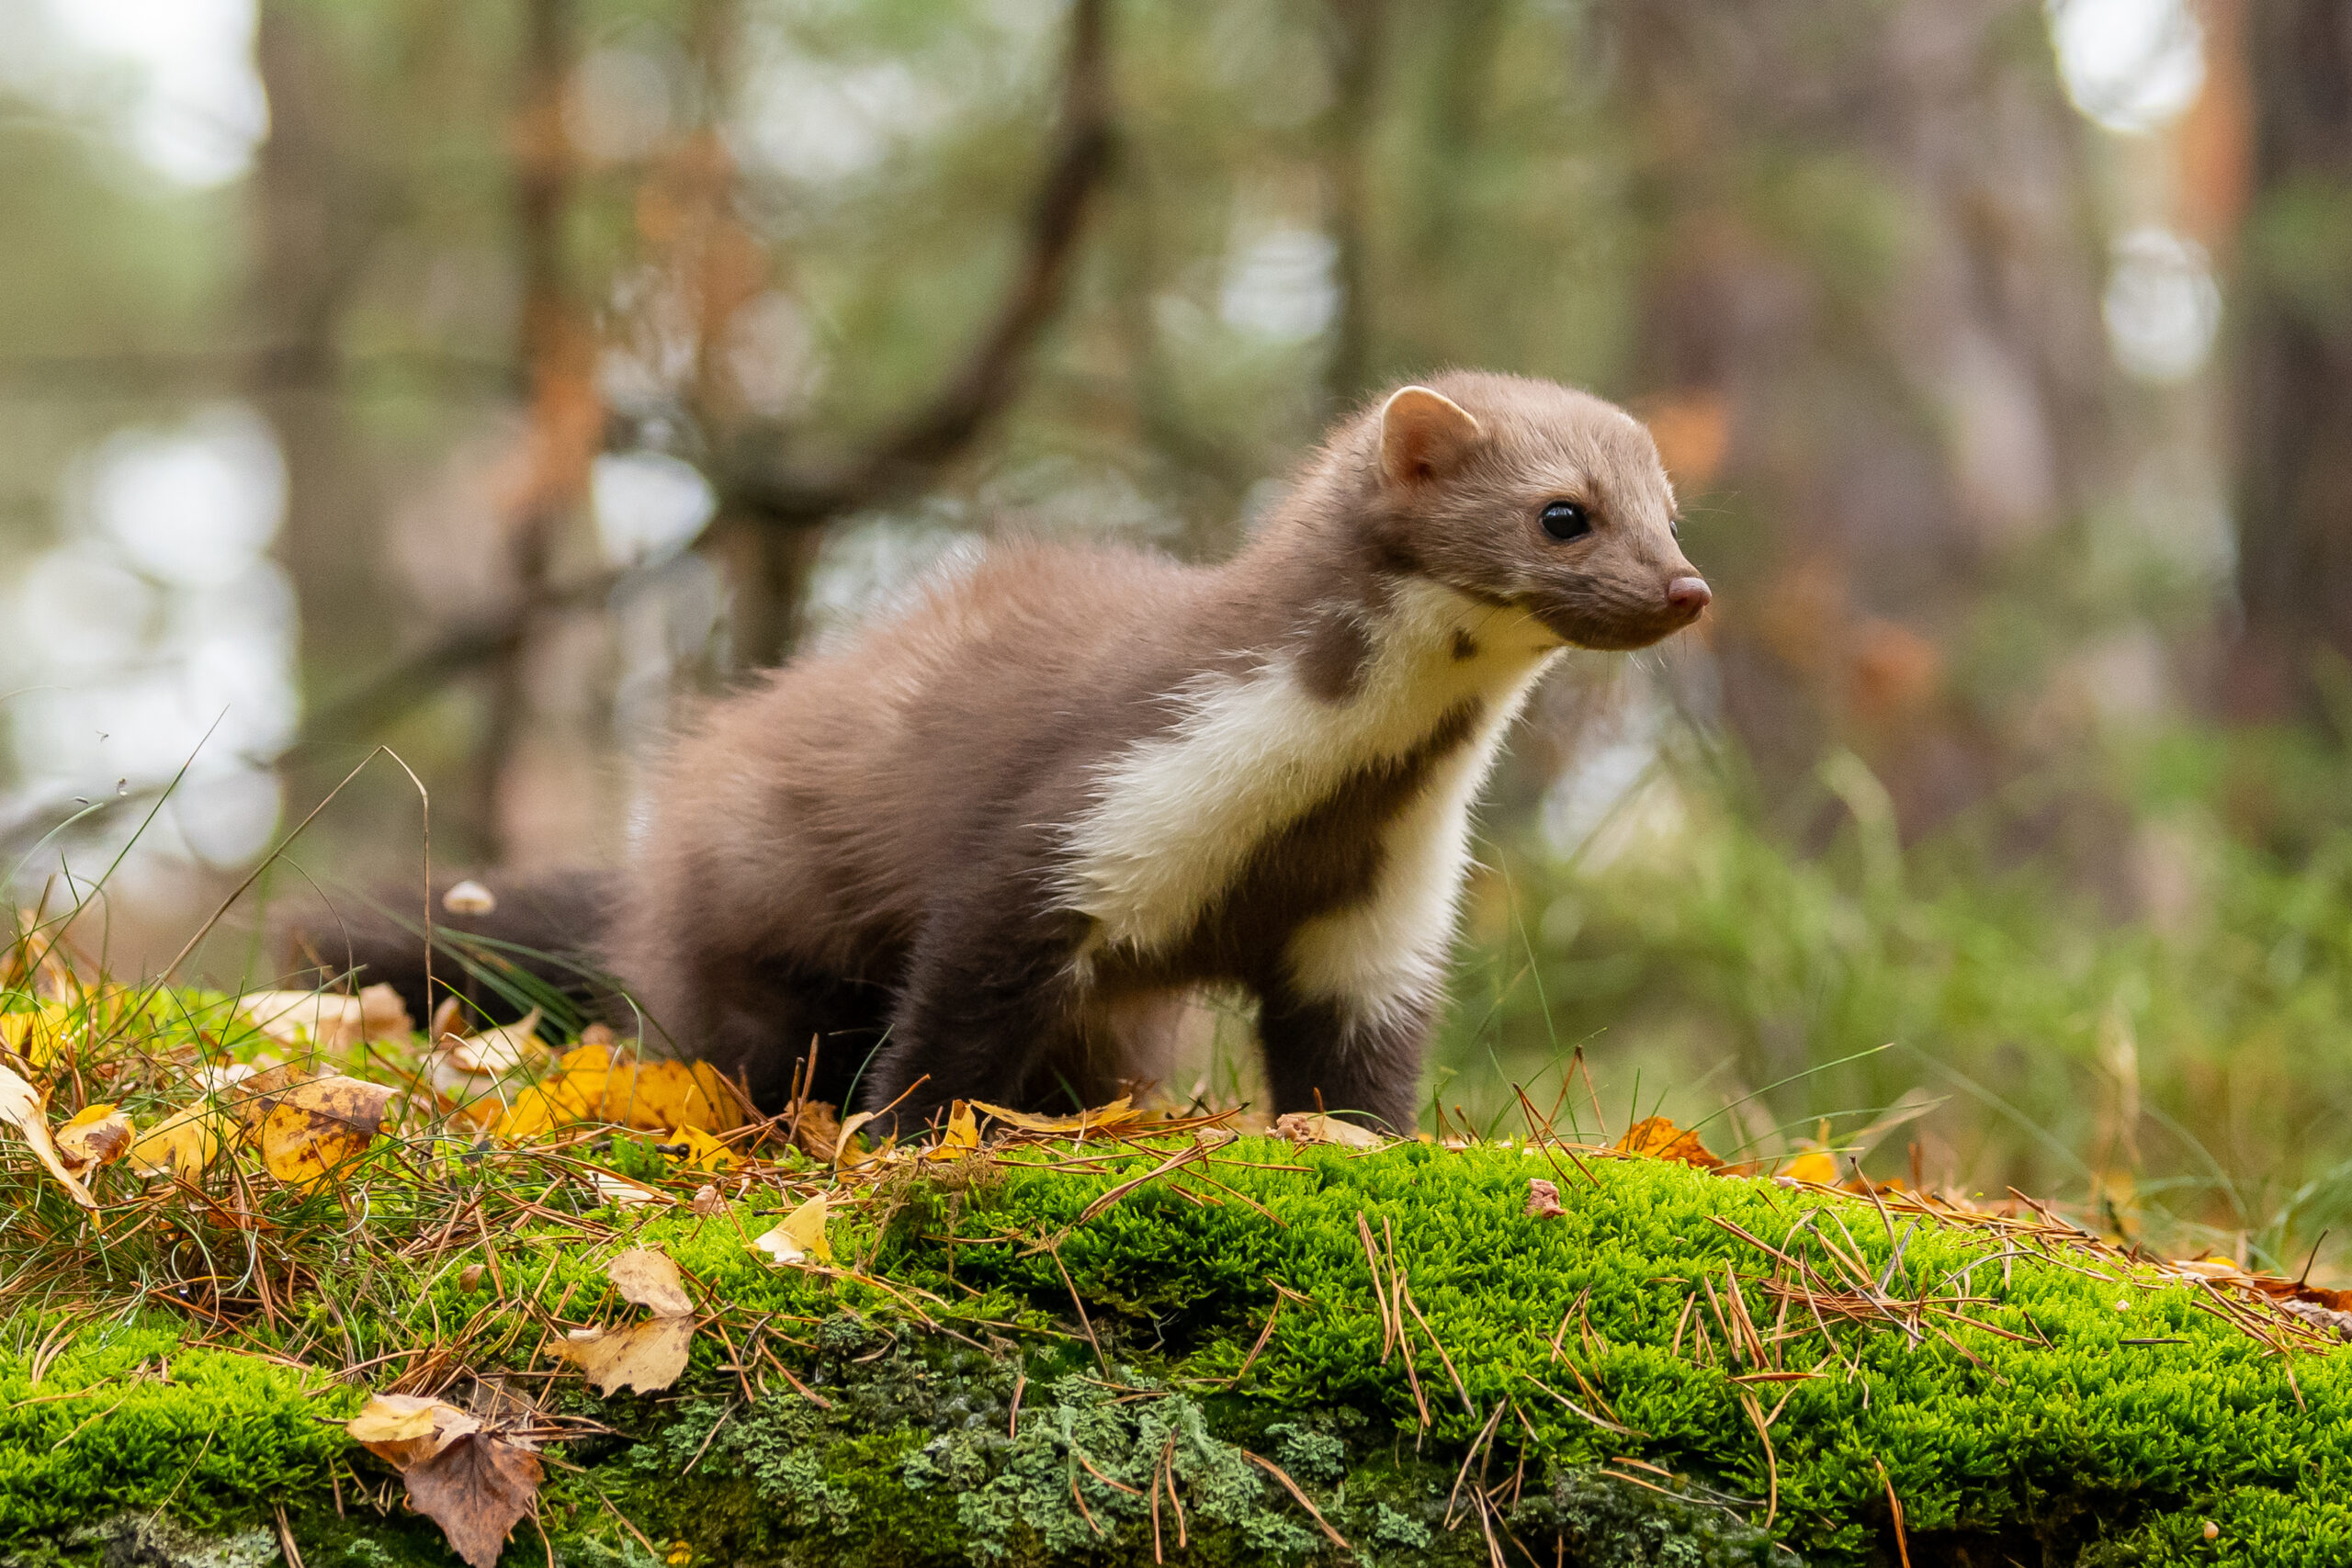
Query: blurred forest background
(492, 379)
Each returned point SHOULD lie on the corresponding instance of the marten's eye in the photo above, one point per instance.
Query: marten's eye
(1674, 527)
(1566, 520)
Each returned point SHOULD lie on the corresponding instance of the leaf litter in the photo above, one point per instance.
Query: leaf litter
(323, 1102)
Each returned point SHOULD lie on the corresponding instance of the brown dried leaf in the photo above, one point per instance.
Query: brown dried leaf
(1544, 1198)
(647, 1356)
(1314, 1127)
(477, 1490)
(650, 1281)
(475, 1484)
(315, 1127)
(20, 1107)
(99, 1136)
(816, 1131)
(1660, 1139)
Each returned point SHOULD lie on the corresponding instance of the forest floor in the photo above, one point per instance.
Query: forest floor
(281, 1282)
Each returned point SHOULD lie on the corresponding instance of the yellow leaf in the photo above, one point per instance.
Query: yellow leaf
(1817, 1165)
(591, 1084)
(317, 1126)
(702, 1151)
(671, 1094)
(183, 1144)
(1118, 1113)
(39, 1036)
(20, 1107)
(648, 1279)
(647, 1356)
(100, 1134)
(961, 1137)
(848, 1131)
(1661, 1139)
(801, 1234)
(401, 1429)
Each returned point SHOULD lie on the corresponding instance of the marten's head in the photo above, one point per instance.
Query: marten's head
(1529, 494)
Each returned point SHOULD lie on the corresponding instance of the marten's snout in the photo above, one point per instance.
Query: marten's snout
(1686, 596)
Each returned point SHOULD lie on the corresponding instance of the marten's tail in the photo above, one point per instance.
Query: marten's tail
(505, 945)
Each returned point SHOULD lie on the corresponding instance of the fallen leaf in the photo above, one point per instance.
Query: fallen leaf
(474, 1482)
(589, 1084)
(816, 1130)
(225, 1076)
(20, 1107)
(38, 1036)
(1817, 1165)
(849, 1131)
(800, 1235)
(1314, 1127)
(319, 1126)
(1544, 1198)
(961, 1137)
(621, 1192)
(1660, 1139)
(100, 1134)
(1118, 1113)
(650, 1281)
(325, 1018)
(253, 1097)
(402, 1429)
(647, 1356)
(182, 1144)
(476, 1491)
(698, 1150)
(499, 1050)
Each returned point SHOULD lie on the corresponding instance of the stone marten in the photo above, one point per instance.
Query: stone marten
(980, 849)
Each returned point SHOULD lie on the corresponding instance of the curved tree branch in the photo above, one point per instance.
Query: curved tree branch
(931, 436)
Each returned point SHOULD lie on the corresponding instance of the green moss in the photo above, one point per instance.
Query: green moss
(128, 1417)
(2031, 1413)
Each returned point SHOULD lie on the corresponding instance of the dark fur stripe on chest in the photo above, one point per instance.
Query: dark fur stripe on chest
(1326, 860)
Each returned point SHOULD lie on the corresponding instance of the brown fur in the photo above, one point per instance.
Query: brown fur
(879, 848)
(863, 847)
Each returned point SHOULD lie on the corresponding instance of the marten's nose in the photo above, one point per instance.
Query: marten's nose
(1686, 596)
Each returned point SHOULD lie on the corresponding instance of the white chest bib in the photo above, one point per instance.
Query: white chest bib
(1176, 816)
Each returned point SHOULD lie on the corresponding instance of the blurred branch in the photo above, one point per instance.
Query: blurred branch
(933, 435)
(138, 372)
(930, 437)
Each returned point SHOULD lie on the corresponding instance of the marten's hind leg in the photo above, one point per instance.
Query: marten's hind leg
(759, 1022)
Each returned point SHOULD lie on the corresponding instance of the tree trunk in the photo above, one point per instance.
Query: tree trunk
(2294, 510)
(312, 226)
(1872, 350)
(566, 415)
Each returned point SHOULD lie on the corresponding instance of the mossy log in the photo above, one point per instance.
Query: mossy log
(1042, 1359)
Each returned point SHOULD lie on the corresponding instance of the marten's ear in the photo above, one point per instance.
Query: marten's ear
(1423, 435)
